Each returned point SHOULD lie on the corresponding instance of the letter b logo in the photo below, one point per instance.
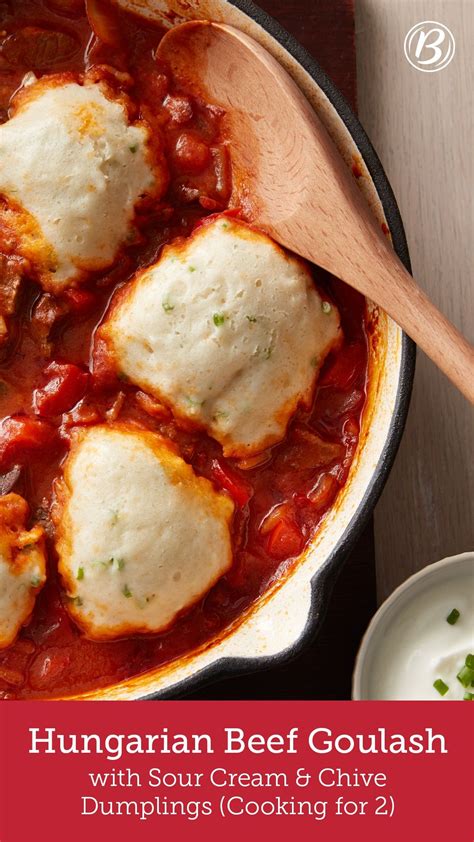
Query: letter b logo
(429, 46)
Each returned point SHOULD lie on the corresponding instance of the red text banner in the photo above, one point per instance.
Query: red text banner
(377, 772)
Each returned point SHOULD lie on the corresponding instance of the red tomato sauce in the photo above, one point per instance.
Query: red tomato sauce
(46, 384)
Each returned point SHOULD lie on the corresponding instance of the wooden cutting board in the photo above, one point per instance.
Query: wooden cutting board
(323, 671)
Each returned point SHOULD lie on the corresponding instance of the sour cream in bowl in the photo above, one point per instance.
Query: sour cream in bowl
(420, 643)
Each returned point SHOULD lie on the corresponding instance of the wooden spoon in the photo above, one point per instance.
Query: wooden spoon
(293, 183)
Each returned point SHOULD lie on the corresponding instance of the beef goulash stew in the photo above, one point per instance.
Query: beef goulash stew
(180, 399)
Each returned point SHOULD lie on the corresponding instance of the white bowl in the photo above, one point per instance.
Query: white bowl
(447, 570)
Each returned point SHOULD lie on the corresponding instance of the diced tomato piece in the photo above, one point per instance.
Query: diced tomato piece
(285, 540)
(209, 204)
(342, 368)
(226, 478)
(66, 385)
(80, 300)
(19, 436)
(179, 108)
(154, 85)
(190, 154)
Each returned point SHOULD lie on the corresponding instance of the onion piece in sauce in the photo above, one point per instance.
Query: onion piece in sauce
(103, 23)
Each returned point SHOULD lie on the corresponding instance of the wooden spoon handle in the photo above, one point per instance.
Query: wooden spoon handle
(400, 296)
(435, 335)
(372, 267)
(376, 271)
(382, 277)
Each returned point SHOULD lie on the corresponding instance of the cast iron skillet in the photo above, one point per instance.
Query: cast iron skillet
(323, 581)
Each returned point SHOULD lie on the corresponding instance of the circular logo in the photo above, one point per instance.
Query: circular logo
(429, 46)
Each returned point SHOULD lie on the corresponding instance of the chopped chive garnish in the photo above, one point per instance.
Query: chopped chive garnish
(468, 697)
(220, 416)
(465, 676)
(120, 563)
(251, 319)
(470, 661)
(80, 574)
(440, 686)
(192, 268)
(35, 581)
(218, 319)
(133, 149)
(126, 591)
(326, 307)
(453, 617)
(167, 307)
(193, 402)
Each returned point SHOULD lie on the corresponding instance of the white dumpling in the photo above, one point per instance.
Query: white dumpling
(72, 169)
(22, 566)
(228, 330)
(140, 537)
